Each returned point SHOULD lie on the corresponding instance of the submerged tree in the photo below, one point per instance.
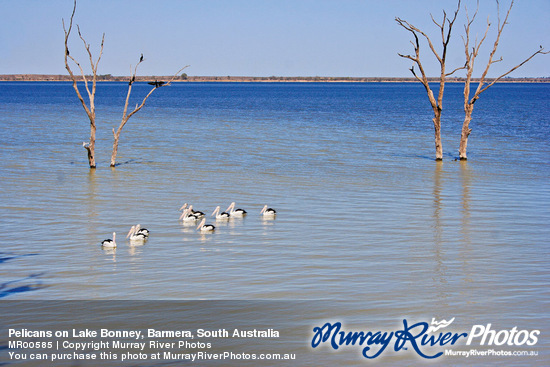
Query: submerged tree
(90, 106)
(90, 109)
(471, 55)
(445, 28)
(126, 116)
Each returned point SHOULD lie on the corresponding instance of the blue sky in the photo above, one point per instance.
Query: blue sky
(258, 37)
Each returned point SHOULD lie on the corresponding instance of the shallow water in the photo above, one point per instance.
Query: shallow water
(364, 212)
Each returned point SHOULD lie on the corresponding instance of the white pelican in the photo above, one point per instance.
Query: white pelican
(142, 231)
(205, 227)
(183, 207)
(220, 216)
(184, 214)
(110, 243)
(268, 212)
(196, 213)
(235, 212)
(188, 218)
(135, 236)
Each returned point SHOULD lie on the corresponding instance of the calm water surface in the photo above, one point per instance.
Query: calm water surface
(364, 212)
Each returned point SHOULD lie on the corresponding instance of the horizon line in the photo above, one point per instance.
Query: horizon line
(228, 78)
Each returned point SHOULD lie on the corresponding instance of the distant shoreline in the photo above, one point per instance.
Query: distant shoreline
(270, 79)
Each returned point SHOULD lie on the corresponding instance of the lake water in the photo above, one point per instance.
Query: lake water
(365, 214)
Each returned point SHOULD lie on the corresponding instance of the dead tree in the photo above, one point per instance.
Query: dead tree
(471, 55)
(90, 109)
(445, 28)
(126, 116)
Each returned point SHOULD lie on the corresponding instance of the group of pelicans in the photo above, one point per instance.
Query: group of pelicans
(189, 217)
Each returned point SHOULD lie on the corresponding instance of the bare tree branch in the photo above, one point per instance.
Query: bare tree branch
(540, 51)
(470, 61)
(445, 29)
(411, 28)
(67, 55)
(89, 109)
(126, 116)
(455, 70)
(169, 82)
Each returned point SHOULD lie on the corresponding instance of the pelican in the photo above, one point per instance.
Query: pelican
(183, 207)
(186, 213)
(220, 216)
(109, 243)
(235, 212)
(196, 213)
(187, 217)
(142, 231)
(205, 227)
(268, 212)
(135, 235)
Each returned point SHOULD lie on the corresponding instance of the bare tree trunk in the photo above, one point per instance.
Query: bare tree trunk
(445, 28)
(437, 131)
(90, 110)
(115, 146)
(90, 147)
(470, 61)
(466, 131)
(126, 116)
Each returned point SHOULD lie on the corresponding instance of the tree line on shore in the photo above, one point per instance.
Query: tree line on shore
(228, 78)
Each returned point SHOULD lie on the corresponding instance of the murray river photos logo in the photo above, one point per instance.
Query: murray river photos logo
(427, 340)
